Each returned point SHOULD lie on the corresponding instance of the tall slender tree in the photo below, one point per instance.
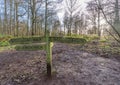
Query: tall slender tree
(117, 20)
(5, 17)
(16, 18)
(10, 22)
(72, 7)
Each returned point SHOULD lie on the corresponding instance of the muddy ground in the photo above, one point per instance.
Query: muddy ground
(70, 67)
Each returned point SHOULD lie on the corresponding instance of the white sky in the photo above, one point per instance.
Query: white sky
(61, 6)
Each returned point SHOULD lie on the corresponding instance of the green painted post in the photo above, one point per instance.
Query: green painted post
(49, 46)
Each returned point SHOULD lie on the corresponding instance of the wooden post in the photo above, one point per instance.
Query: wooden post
(48, 47)
(49, 58)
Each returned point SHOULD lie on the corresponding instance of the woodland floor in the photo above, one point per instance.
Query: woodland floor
(71, 66)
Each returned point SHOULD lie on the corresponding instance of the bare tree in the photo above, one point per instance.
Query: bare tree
(117, 19)
(72, 7)
(28, 17)
(56, 26)
(116, 36)
(10, 22)
(95, 15)
(1, 22)
(16, 18)
(5, 17)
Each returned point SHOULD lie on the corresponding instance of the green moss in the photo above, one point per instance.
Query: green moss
(103, 40)
(26, 40)
(4, 43)
(29, 40)
(7, 48)
(30, 47)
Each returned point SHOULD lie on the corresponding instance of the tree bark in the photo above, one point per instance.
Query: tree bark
(17, 22)
(5, 16)
(11, 5)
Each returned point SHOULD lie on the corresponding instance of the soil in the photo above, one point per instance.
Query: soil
(70, 67)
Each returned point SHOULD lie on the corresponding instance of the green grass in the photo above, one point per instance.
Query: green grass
(4, 43)
(30, 47)
(29, 40)
(29, 43)
(2, 49)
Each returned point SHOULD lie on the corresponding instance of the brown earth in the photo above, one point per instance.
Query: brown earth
(70, 67)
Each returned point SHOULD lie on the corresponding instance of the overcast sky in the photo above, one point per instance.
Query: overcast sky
(62, 6)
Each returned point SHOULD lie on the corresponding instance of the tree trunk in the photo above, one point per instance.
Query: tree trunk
(99, 32)
(10, 32)
(16, 10)
(1, 25)
(117, 21)
(5, 17)
(28, 18)
(33, 7)
(14, 31)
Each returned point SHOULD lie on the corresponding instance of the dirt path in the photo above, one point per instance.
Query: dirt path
(70, 67)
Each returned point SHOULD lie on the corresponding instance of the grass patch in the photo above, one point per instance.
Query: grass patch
(4, 43)
(7, 48)
(26, 40)
(29, 47)
(29, 40)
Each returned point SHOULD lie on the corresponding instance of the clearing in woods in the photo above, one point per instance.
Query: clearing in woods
(71, 66)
